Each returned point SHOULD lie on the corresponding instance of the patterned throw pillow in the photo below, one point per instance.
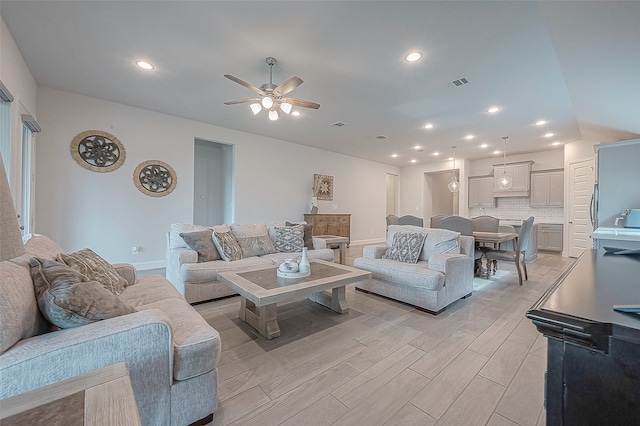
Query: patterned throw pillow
(202, 242)
(253, 239)
(68, 299)
(406, 247)
(289, 239)
(308, 233)
(227, 246)
(95, 268)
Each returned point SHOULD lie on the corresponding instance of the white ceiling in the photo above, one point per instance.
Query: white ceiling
(574, 64)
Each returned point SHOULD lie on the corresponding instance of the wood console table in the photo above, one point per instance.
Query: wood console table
(330, 224)
(102, 397)
(593, 352)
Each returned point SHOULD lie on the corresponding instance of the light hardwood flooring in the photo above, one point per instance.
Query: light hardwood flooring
(480, 362)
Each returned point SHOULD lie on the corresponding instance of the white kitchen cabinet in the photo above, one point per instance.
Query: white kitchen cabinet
(547, 189)
(520, 174)
(550, 237)
(481, 191)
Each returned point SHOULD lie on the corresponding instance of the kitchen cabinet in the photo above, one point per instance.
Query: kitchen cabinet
(481, 191)
(330, 224)
(550, 237)
(520, 174)
(547, 189)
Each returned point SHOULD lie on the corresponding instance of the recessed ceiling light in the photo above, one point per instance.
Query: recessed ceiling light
(497, 152)
(555, 143)
(428, 126)
(548, 135)
(394, 155)
(493, 109)
(436, 153)
(145, 65)
(484, 145)
(469, 137)
(413, 56)
(450, 159)
(414, 161)
(417, 147)
(541, 123)
(296, 113)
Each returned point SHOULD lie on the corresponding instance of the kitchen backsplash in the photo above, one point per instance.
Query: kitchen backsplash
(519, 208)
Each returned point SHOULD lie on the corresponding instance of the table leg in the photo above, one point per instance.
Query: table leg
(343, 252)
(262, 318)
(337, 301)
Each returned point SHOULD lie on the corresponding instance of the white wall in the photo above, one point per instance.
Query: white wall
(105, 211)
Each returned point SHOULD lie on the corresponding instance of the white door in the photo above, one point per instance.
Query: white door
(581, 180)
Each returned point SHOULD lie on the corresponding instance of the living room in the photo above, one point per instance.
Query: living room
(272, 177)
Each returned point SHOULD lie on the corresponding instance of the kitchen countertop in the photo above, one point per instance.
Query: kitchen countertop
(623, 234)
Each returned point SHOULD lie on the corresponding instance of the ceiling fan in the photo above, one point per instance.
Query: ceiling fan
(271, 96)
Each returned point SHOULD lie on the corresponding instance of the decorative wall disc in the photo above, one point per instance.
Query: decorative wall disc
(155, 178)
(98, 151)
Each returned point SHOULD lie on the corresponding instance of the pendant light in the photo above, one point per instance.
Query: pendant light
(454, 185)
(505, 180)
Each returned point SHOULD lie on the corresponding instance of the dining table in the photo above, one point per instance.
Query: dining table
(494, 238)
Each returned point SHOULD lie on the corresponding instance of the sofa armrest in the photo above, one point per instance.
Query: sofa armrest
(447, 262)
(319, 243)
(375, 251)
(127, 271)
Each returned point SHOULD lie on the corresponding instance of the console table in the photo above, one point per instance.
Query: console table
(337, 224)
(593, 352)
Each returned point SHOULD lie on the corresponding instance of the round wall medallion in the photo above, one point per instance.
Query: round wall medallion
(98, 151)
(155, 178)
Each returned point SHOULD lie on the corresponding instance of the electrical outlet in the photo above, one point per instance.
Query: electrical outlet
(135, 250)
(334, 206)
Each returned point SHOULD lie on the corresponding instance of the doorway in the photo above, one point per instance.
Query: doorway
(392, 194)
(438, 200)
(213, 183)
(581, 180)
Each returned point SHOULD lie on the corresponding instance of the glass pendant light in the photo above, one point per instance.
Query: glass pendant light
(255, 108)
(505, 180)
(273, 114)
(454, 185)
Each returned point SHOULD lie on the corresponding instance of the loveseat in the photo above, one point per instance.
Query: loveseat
(197, 278)
(170, 350)
(442, 274)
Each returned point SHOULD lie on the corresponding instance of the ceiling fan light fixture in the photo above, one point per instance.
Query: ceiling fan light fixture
(255, 108)
(273, 114)
(267, 102)
(286, 107)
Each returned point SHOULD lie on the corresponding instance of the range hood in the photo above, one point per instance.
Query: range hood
(520, 173)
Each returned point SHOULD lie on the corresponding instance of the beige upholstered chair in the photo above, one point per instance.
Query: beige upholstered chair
(410, 220)
(517, 256)
(436, 221)
(485, 224)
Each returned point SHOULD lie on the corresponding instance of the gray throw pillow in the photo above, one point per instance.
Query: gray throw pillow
(289, 238)
(227, 246)
(406, 247)
(95, 268)
(68, 299)
(256, 246)
(308, 234)
(202, 243)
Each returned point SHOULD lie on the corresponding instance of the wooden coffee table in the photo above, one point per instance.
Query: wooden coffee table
(261, 290)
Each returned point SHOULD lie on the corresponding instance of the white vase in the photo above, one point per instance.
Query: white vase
(304, 262)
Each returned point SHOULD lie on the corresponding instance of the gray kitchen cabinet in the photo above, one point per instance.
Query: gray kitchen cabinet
(547, 189)
(481, 191)
(550, 237)
(520, 175)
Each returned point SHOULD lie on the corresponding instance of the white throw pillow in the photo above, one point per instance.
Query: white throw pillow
(440, 241)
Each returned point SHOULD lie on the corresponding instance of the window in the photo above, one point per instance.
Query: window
(29, 127)
(5, 127)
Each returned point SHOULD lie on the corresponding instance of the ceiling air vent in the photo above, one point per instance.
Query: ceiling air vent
(381, 137)
(460, 82)
(338, 124)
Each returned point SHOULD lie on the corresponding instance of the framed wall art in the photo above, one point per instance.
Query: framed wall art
(155, 178)
(98, 151)
(323, 187)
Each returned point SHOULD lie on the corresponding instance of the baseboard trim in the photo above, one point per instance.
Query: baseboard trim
(143, 266)
(372, 241)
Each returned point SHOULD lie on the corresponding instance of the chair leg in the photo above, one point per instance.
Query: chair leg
(524, 266)
(495, 266)
(518, 268)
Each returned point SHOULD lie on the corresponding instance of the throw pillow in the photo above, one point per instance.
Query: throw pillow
(308, 233)
(68, 299)
(253, 239)
(406, 247)
(202, 242)
(289, 239)
(440, 241)
(175, 240)
(227, 246)
(95, 268)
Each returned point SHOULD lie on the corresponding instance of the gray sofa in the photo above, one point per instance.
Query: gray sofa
(442, 274)
(170, 351)
(199, 281)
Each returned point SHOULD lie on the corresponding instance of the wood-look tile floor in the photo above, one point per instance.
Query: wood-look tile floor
(480, 362)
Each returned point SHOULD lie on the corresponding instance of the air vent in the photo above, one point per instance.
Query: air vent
(338, 124)
(460, 82)
(381, 137)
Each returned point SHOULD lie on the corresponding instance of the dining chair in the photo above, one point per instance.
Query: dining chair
(436, 221)
(465, 227)
(392, 219)
(485, 224)
(517, 256)
(410, 220)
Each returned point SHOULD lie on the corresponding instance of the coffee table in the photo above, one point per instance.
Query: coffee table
(261, 289)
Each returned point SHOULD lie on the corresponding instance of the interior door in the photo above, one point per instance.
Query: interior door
(392, 194)
(581, 179)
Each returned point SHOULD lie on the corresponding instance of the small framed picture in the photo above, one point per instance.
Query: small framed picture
(323, 187)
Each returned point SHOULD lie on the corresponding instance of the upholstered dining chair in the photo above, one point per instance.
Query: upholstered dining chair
(436, 221)
(410, 220)
(485, 224)
(518, 255)
(465, 227)
(392, 219)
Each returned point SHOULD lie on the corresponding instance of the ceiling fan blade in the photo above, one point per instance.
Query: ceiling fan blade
(245, 84)
(287, 86)
(301, 103)
(243, 101)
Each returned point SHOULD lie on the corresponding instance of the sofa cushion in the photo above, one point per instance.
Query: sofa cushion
(406, 247)
(95, 268)
(308, 233)
(38, 246)
(202, 243)
(416, 275)
(227, 246)
(175, 240)
(196, 273)
(196, 344)
(68, 299)
(289, 239)
(149, 289)
(440, 241)
(253, 239)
